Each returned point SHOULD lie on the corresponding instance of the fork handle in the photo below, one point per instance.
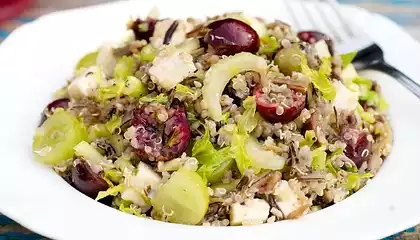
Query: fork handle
(406, 81)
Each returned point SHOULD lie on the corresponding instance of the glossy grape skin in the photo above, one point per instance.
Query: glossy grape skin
(87, 181)
(147, 32)
(230, 36)
(268, 110)
(58, 103)
(358, 147)
(160, 141)
(314, 36)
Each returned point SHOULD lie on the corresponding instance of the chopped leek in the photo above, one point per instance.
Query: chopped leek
(347, 58)
(127, 207)
(268, 44)
(183, 89)
(161, 98)
(114, 90)
(243, 161)
(203, 149)
(309, 140)
(353, 180)
(112, 191)
(319, 158)
(248, 120)
(366, 116)
(114, 175)
(320, 78)
(215, 167)
(225, 117)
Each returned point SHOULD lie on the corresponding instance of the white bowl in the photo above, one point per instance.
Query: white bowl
(38, 58)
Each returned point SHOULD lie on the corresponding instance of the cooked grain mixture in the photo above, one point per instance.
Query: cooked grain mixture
(225, 121)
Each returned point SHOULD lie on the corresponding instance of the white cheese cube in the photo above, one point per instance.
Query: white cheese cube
(130, 194)
(286, 199)
(349, 72)
(106, 60)
(345, 99)
(253, 211)
(86, 84)
(171, 67)
(322, 49)
(145, 177)
(162, 27)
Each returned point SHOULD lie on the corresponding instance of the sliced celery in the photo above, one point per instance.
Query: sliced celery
(310, 139)
(134, 87)
(88, 152)
(117, 142)
(249, 119)
(98, 131)
(87, 61)
(218, 76)
(148, 53)
(319, 158)
(55, 139)
(183, 198)
(124, 68)
(261, 158)
(114, 124)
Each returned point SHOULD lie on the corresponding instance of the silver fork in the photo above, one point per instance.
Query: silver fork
(369, 56)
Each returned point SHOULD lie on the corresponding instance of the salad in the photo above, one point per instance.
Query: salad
(225, 121)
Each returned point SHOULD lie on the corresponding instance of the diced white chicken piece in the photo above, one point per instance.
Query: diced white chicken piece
(286, 199)
(144, 178)
(178, 36)
(345, 99)
(130, 194)
(171, 67)
(253, 211)
(86, 84)
(106, 60)
(322, 49)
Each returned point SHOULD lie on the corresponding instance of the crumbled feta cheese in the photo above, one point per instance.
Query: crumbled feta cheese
(286, 199)
(171, 67)
(86, 84)
(106, 60)
(162, 27)
(322, 49)
(145, 177)
(349, 72)
(254, 210)
(130, 194)
(345, 98)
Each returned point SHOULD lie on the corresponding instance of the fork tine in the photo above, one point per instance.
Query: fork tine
(295, 20)
(327, 23)
(342, 21)
(307, 12)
